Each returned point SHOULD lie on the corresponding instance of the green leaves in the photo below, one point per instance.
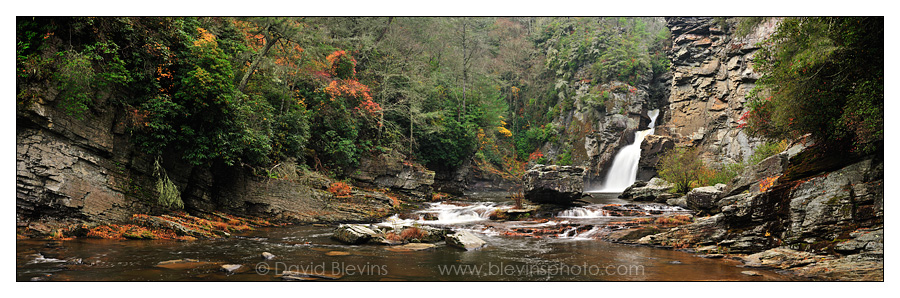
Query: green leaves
(824, 76)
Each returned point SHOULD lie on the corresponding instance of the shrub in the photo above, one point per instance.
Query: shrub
(681, 167)
(823, 76)
(412, 233)
(391, 236)
(168, 194)
(339, 189)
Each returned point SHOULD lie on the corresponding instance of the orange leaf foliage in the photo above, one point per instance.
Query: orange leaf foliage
(339, 189)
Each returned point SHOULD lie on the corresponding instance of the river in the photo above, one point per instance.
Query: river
(309, 248)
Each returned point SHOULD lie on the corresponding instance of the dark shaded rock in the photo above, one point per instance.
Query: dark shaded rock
(514, 214)
(560, 185)
(393, 170)
(652, 149)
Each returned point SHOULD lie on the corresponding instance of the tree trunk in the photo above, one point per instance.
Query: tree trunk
(269, 42)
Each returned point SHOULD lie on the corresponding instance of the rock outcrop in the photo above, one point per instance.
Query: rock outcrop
(652, 149)
(839, 214)
(704, 198)
(392, 170)
(554, 184)
(712, 73)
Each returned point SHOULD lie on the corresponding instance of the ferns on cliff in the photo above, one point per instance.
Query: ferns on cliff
(168, 194)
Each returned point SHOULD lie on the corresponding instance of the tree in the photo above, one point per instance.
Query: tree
(824, 77)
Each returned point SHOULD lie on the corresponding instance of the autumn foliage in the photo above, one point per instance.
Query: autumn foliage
(412, 233)
(339, 189)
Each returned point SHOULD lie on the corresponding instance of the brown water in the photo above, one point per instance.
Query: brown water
(309, 248)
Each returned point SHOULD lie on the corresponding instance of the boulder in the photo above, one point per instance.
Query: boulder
(233, 268)
(465, 240)
(654, 190)
(554, 184)
(680, 202)
(267, 255)
(704, 198)
(411, 247)
(353, 234)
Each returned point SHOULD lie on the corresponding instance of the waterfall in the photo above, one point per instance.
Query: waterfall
(625, 165)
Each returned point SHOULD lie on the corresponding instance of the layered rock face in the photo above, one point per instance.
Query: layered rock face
(554, 184)
(391, 170)
(712, 73)
(75, 168)
(90, 170)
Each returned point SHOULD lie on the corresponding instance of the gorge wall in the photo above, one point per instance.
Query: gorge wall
(712, 72)
(89, 169)
(819, 214)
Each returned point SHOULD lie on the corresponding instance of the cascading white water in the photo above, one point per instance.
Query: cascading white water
(582, 212)
(446, 214)
(572, 233)
(624, 168)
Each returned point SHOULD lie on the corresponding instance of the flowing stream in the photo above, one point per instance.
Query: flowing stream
(623, 171)
(572, 255)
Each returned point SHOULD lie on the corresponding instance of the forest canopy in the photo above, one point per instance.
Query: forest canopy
(327, 91)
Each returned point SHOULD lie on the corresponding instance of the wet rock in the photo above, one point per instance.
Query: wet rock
(750, 273)
(301, 275)
(655, 190)
(680, 202)
(233, 268)
(712, 256)
(707, 249)
(267, 255)
(781, 258)
(704, 198)
(465, 240)
(411, 247)
(513, 213)
(675, 262)
(553, 184)
(337, 253)
(297, 278)
(862, 240)
(184, 264)
(353, 234)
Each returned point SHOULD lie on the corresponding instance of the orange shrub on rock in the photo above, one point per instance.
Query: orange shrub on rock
(339, 189)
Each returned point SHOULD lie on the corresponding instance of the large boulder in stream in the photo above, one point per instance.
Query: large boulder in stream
(553, 184)
(704, 198)
(353, 234)
(657, 190)
(465, 240)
